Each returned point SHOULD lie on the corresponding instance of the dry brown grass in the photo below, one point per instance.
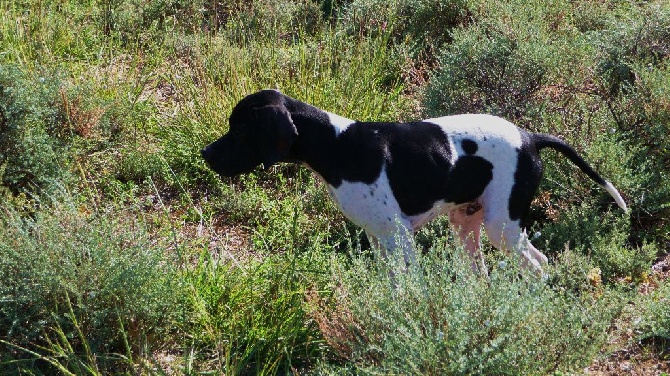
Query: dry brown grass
(336, 322)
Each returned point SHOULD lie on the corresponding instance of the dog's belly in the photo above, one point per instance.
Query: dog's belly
(374, 207)
(439, 208)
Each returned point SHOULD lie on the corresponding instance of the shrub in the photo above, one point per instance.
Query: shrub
(285, 20)
(81, 289)
(440, 318)
(485, 70)
(133, 21)
(655, 320)
(639, 36)
(424, 25)
(603, 239)
(32, 152)
(633, 73)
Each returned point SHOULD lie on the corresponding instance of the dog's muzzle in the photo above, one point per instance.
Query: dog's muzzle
(205, 153)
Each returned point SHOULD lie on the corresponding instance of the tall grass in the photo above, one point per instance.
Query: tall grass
(310, 69)
(249, 318)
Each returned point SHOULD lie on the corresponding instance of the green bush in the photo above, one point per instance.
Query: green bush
(639, 36)
(287, 20)
(81, 289)
(485, 70)
(507, 60)
(145, 22)
(633, 75)
(32, 152)
(439, 318)
(655, 320)
(603, 239)
(424, 26)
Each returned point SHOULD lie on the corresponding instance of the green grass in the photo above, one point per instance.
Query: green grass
(249, 318)
(122, 253)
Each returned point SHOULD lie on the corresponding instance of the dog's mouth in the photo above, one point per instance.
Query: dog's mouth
(226, 162)
(209, 158)
(212, 158)
(216, 165)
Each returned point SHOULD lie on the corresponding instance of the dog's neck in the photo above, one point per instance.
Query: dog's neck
(314, 124)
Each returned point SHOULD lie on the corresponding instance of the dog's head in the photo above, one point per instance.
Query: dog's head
(261, 131)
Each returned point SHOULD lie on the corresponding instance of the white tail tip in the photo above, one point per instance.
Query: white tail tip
(615, 194)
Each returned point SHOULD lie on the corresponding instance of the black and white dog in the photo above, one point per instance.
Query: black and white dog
(392, 178)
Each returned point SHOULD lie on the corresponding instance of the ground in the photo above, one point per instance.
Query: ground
(637, 358)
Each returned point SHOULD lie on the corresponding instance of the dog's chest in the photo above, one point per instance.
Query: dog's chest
(370, 206)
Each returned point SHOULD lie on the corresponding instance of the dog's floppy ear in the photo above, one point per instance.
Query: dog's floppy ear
(278, 133)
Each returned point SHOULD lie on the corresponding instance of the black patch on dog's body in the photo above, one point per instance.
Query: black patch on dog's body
(419, 167)
(527, 177)
(468, 179)
(469, 146)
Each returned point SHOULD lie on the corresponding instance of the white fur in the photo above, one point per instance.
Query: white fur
(340, 123)
(374, 208)
(615, 194)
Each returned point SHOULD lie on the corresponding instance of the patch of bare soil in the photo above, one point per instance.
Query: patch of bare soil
(639, 358)
(226, 242)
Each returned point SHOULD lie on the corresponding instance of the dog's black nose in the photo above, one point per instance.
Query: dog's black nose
(204, 153)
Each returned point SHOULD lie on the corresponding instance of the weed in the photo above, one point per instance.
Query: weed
(440, 318)
(31, 138)
(80, 285)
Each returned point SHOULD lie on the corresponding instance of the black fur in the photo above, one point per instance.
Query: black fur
(541, 141)
(469, 147)
(527, 177)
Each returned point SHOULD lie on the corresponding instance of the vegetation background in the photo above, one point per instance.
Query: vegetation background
(121, 253)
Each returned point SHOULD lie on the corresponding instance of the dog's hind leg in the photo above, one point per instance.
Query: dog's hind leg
(506, 204)
(507, 235)
(467, 220)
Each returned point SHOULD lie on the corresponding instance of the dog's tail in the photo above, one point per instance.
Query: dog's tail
(545, 140)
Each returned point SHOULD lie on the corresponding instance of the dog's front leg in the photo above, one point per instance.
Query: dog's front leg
(376, 245)
(393, 242)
